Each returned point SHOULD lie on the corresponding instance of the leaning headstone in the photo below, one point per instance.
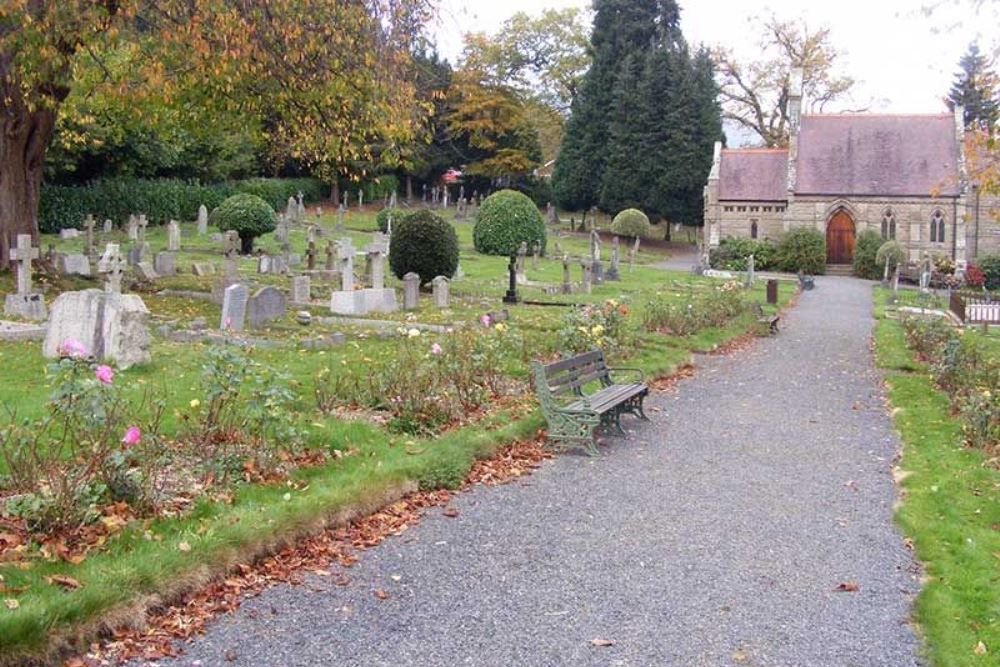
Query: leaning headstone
(146, 271)
(203, 269)
(70, 233)
(301, 288)
(173, 236)
(411, 291)
(613, 273)
(567, 283)
(73, 265)
(24, 303)
(111, 327)
(440, 289)
(266, 304)
(165, 264)
(112, 265)
(234, 307)
(202, 220)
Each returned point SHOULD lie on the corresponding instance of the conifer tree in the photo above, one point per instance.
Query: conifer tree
(975, 89)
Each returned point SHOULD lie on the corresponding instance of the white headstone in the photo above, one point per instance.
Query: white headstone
(234, 307)
(440, 289)
(411, 291)
(173, 236)
(202, 220)
(301, 288)
(110, 327)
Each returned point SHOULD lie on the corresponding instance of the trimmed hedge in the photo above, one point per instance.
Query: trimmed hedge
(990, 266)
(865, 251)
(732, 253)
(161, 200)
(631, 223)
(249, 215)
(803, 250)
(423, 243)
(505, 219)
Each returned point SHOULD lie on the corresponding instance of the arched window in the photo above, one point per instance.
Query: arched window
(888, 225)
(753, 229)
(937, 227)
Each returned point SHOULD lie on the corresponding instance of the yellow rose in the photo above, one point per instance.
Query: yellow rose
(195, 403)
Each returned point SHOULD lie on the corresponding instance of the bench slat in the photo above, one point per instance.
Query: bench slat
(595, 356)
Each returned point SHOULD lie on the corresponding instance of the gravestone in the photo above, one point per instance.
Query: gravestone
(633, 251)
(231, 245)
(142, 225)
(202, 220)
(550, 214)
(73, 265)
(266, 304)
(376, 261)
(311, 234)
(234, 307)
(586, 283)
(613, 273)
(146, 271)
(300, 207)
(319, 212)
(292, 209)
(70, 233)
(263, 263)
(283, 230)
(110, 326)
(536, 252)
(520, 275)
(88, 226)
(596, 271)
(772, 291)
(361, 199)
(750, 272)
(135, 254)
(203, 269)
(173, 236)
(278, 265)
(133, 227)
(411, 291)
(330, 255)
(567, 282)
(24, 303)
(311, 256)
(346, 264)
(112, 265)
(925, 273)
(511, 295)
(301, 289)
(440, 290)
(108, 226)
(165, 264)
(340, 218)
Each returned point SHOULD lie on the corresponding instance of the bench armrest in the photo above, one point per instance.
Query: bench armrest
(635, 372)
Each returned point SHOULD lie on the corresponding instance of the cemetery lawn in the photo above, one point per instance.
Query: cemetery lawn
(950, 509)
(364, 463)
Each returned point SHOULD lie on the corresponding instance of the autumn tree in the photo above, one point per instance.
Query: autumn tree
(975, 90)
(754, 93)
(327, 76)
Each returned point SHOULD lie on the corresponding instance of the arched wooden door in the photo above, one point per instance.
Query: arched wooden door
(840, 239)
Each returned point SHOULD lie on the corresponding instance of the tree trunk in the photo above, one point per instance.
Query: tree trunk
(409, 189)
(335, 191)
(23, 138)
(246, 245)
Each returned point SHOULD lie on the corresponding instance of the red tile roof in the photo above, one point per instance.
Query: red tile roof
(753, 174)
(870, 154)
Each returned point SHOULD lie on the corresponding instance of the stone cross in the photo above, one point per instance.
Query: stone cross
(202, 220)
(536, 251)
(586, 267)
(511, 296)
(925, 273)
(595, 245)
(23, 254)
(143, 223)
(311, 256)
(112, 265)
(133, 228)
(330, 253)
(567, 283)
(300, 207)
(88, 224)
(346, 264)
(173, 236)
(440, 288)
(750, 271)
(613, 273)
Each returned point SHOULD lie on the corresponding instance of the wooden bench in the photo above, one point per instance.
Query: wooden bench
(581, 393)
(770, 320)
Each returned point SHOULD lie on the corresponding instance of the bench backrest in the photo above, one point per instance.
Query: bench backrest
(569, 376)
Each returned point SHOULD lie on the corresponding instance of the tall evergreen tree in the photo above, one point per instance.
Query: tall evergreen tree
(621, 27)
(975, 88)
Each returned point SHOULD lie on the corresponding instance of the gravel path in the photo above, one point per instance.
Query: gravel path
(715, 535)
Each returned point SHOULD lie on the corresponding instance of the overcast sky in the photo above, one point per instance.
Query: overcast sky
(903, 58)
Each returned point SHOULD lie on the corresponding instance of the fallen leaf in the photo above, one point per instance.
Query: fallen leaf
(184, 546)
(847, 587)
(451, 512)
(381, 594)
(980, 649)
(602, 642)
(11, 603)
(63, 580)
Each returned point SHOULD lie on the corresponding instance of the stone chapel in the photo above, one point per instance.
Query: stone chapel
(902, 176)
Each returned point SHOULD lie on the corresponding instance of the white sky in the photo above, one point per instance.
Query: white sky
(903, 59)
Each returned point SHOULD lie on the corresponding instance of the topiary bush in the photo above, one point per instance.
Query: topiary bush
(424, 244)
(802, 249)
(865, 250)
(990, 266)
(249, 215)
(631, 223)
(892, 251)
(505, 219)
(732, 253)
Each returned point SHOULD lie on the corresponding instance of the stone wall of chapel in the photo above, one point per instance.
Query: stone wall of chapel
(736, 219)
(989, 227)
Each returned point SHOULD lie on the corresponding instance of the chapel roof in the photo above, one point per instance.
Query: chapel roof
(753, 174)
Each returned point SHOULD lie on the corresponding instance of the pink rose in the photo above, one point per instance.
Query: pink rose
(436, 349)
(132, 436)
(485, 319)
(71, 348)
(105, 374)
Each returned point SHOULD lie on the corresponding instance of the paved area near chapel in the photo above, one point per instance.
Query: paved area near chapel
(716, 535)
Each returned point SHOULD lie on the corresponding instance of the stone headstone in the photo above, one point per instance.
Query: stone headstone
(283, 230)
(234, 307)
(633, 251)
(263, 264)
(173, 236)
(440, 289)
(750, 271)
(411, 291)
(346, 257)
(292, 208)
(361, 199)
(331, 254)
(111, 327)
(550, 214)
(586, 283)
(536, 252)
(376, 262)
(202, 220)
(165, 264)
(311, 257)
(203, 269)
(112, 265)
(231, 245)
(266, 304)
(511, 295)
(301, 289)
(135, 253)
(133, 228)
(88, 226)
(925, 273)
(73, 265)
(69, 233)
(567, 282)
(522, 251)
(142, 225)
(24, 303)
(613, 272)
(217, 238)
(146, 271)
(596, 270)
(108, 226)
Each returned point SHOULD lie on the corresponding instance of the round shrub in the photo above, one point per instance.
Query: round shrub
(424, 244)
(505, 219)
(802, 249)
(865, 250)
(631, 222)
(892, 251)
(733, 251)
(248, 215)
(990, 266)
